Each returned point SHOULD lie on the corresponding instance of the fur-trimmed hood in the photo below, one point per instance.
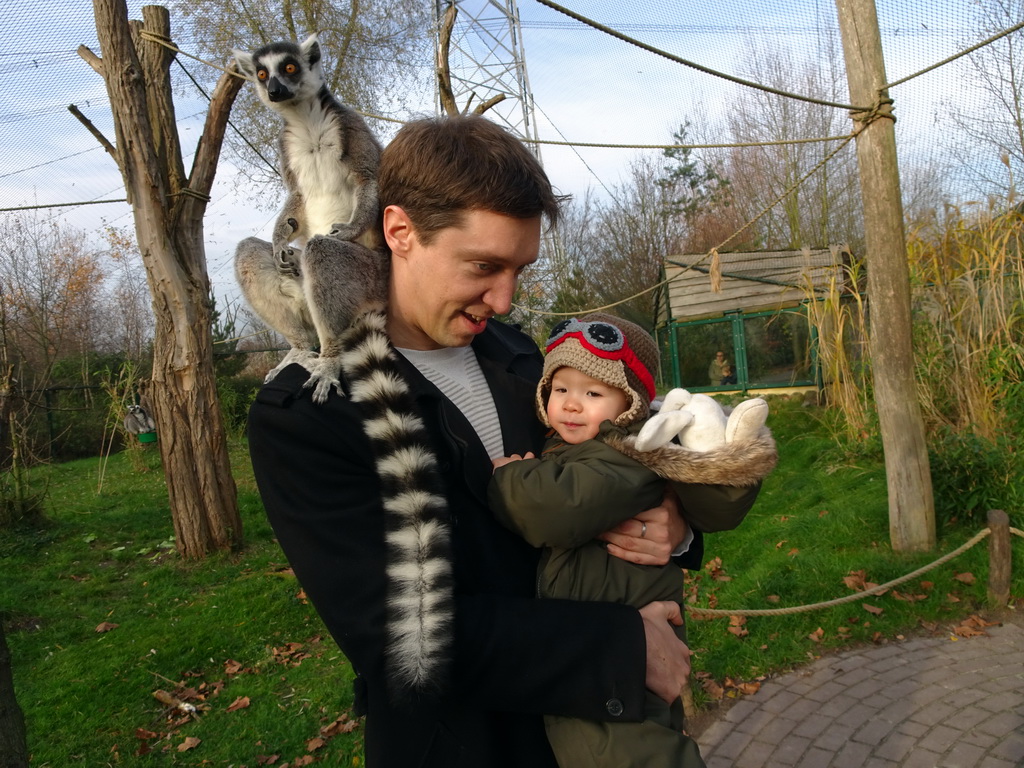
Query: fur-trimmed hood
(737, 464)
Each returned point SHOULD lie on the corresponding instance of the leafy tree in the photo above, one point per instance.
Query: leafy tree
(689, 184)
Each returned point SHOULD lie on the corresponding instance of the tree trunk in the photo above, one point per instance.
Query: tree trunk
(13, 747)
(168, 210)
(911, 505)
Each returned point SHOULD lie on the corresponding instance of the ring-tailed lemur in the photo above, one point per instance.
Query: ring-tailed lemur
(334, 291)
(329, 158)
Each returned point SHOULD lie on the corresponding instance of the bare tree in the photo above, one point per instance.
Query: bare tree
(991, 134)
(128, 323)
(373, 53)
(50, 286)
(824, 209)
(168, 206)
(633, 235)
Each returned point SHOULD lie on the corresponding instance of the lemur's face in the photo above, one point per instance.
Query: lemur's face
(283, 71)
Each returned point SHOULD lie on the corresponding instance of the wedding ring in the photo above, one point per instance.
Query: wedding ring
(643, 529)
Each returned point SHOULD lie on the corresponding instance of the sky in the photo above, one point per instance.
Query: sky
(586, 87)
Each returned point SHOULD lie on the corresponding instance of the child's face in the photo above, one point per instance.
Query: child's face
(578, 404)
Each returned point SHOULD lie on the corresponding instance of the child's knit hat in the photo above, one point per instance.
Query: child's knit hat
(609, 349)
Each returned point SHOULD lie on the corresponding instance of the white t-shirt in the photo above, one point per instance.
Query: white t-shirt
(456, 372)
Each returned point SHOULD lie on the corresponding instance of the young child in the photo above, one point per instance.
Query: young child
(595, 391)
(728, 377)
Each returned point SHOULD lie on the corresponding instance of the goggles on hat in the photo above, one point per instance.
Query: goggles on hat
(605, 341)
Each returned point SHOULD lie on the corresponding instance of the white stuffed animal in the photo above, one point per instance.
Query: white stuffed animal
(700, 423)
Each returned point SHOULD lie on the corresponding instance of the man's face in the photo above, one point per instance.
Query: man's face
(442, 294)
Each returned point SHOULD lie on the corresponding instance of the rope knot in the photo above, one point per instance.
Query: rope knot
(882, 108)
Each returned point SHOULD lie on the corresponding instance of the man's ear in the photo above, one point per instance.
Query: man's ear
(399, 232)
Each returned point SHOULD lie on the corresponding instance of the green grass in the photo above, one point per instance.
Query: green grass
(109, 558)
(820, 517)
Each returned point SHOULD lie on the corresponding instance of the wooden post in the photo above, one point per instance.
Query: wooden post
(911, 505)
(999, 558)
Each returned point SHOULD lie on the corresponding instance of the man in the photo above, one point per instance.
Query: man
(462, 208)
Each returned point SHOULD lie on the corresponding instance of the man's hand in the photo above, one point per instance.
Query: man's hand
(668, 658)
(650, 537)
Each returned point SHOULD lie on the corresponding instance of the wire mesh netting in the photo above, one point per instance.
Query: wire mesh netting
(958, 129)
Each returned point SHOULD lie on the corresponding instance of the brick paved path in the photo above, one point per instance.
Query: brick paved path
(923, 703)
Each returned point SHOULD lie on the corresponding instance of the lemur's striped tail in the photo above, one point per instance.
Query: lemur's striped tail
(420, 604)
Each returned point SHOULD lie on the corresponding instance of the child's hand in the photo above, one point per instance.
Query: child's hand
(509, 459)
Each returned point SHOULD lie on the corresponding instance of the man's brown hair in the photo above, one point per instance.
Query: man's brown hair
(436, 169)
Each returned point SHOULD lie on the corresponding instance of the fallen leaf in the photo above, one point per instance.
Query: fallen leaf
(714, 691)
(823, 513)
(267, 759)
(855, 580)
(190, 742)
(951, 598)
(736, 626)
(240, 703)
(773, 598)
(817, 635)
(314, 744)
(973, 626)
(873, 609)
(927, 585)
(793, 552)
(342, 725)
(106, 626)
(304, 760)
(965, 578)
(779, 545)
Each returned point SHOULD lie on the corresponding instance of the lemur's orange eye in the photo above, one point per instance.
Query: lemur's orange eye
(262, 74)
(291, 69)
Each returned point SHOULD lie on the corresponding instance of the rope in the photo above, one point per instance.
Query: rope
(781, 142)
(169, 44)
(870, 115)
(697, 611)
(692, 65)
(60, 205)
(955, 56)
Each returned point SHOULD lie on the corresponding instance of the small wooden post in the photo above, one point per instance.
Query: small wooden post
(998, 557)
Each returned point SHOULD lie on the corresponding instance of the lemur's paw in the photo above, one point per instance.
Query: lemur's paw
(324, 374)
(286, 263)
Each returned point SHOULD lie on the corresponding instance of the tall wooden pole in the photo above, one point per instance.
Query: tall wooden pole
(911, 505)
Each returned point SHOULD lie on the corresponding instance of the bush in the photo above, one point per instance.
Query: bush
(971, 475)
(236, 395)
